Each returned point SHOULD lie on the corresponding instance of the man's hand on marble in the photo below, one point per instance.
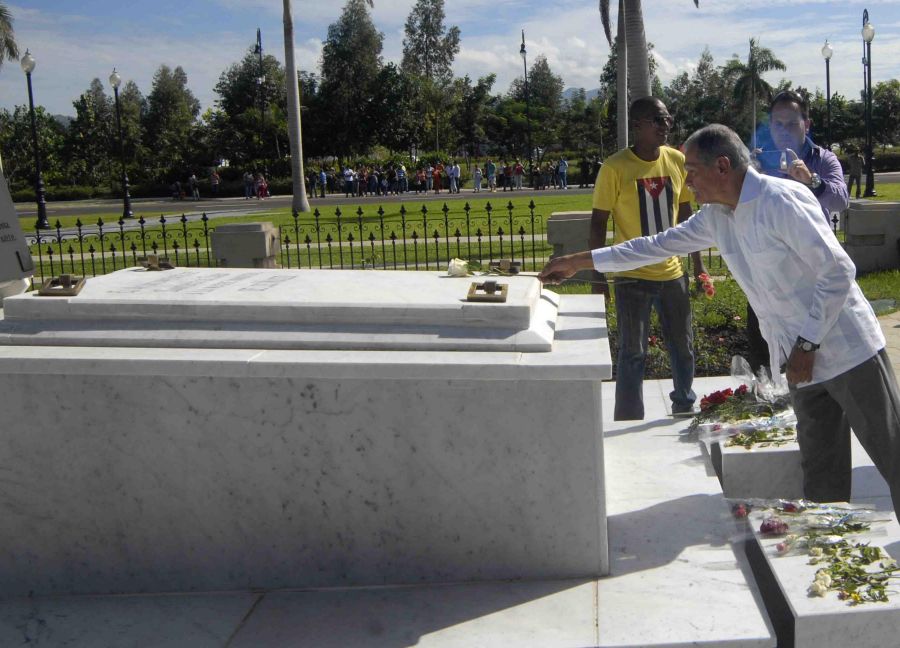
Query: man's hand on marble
(561, 268)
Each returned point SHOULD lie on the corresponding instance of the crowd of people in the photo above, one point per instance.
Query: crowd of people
(394, 178)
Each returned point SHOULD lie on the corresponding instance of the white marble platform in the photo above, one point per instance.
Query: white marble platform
(675, 577)
(828, 621)
(772, 472)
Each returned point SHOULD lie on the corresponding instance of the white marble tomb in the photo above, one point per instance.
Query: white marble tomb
(215, 429)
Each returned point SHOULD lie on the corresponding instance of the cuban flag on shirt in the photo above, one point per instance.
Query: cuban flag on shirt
(657, 204)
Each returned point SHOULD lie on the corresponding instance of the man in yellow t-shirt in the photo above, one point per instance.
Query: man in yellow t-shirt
(643, 188)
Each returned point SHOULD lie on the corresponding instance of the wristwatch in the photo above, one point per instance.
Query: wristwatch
(815, 181)
(805, 345)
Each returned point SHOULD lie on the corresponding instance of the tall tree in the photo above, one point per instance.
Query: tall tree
(428, 52)
(15, 141)
(428, 47)
(886, 111)
(299, 202)
(8, 48)
(469, 120)
(633, 40)
(351, 60)
(749, 85)
(250, 94)
(171, 112)
(89, 145)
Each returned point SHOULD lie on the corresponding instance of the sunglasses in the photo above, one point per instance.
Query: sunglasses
(661, 120)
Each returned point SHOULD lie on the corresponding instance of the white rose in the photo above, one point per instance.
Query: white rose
(816, 552)
(458, 268)
(824, 578)
(817, 589)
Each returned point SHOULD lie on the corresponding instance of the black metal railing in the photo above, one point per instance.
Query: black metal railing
(419, 239)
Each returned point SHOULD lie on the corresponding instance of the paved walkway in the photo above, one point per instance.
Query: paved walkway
(890, 324)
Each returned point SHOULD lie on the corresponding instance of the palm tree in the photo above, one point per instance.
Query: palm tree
(747, 78)
(8, 48)
(299, 202)
(633, 71)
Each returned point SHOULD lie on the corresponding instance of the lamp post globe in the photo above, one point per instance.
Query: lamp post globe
(28, 63)
(115, 80)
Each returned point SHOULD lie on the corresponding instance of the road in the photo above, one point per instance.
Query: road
(219, 207)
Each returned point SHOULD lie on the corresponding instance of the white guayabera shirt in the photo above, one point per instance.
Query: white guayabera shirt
(793, 270)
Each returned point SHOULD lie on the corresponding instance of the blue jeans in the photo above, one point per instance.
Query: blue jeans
(671, 299)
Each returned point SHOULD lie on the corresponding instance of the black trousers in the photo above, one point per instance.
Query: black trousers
(865, 398)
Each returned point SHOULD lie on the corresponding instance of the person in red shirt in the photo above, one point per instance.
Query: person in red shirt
(437, 175)
(519, 172)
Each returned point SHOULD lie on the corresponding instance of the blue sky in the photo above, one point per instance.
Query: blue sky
(76, 41)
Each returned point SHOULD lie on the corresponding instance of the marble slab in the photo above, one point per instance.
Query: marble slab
(772, 472)
(812, 621)
(301, 296)
(286, 309)
(172, 621)
(548, 614)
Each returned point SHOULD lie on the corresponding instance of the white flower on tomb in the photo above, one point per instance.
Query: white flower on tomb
(458, 268)
(817, 589)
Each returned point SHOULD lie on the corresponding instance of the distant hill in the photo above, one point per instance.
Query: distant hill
(63, 120)
(568, 93)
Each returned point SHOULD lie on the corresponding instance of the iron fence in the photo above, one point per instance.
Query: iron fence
(421, 239)
(417, 239)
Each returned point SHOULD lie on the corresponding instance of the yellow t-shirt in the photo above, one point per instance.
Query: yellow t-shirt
(643, 199)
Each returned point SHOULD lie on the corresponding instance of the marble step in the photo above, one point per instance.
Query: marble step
(765, 473)
(805, 621)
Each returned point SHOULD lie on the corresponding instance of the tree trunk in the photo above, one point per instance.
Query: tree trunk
(299, 202)
(638, 62)
(621, 79)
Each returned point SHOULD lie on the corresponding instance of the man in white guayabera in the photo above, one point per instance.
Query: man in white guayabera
(799, 280)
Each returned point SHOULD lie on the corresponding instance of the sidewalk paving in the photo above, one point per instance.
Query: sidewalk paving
(890, 324)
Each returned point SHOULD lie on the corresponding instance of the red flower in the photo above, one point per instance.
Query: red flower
(740, 391)
(715, 398)
(773, 526)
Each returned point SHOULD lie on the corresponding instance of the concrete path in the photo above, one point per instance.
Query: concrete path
(890, 324)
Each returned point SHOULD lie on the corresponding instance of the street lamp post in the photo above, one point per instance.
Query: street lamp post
(868, 33)
(827, 51)
(28, 64)
(115, 81)
(527, 112)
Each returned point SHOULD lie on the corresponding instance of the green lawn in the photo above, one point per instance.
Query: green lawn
(545, 204)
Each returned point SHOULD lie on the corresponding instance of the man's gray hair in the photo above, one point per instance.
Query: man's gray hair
(714, 141)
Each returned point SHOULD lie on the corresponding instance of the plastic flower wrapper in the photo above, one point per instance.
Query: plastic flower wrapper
(458, 268)
(768, 389)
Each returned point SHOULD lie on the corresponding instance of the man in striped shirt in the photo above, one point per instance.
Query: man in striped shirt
(643, 188)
